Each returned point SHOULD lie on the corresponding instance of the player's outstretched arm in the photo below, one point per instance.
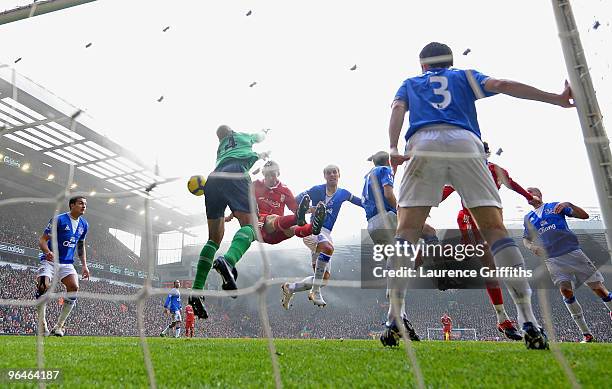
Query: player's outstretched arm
(509, 183)
(356, 201)
(572, 210)
(524, 91)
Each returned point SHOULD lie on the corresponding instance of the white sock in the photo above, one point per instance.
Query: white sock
(42, 315)
(396, 297)
(506, 254)
(165, 331)
(69, 303)
(500, 312)
(397, 287)
(178, 332)
(575, 309)
(320, 267)
(305, 284)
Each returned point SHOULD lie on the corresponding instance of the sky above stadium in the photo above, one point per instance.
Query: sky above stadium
(287, 67)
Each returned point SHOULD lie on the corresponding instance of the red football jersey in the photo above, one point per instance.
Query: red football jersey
(446, 321)
(189, 313)
(272, 201)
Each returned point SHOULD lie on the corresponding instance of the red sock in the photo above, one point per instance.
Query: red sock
(495, 293)
(303, 231)
(285, 222)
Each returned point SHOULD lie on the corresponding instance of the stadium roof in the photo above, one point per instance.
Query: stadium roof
(36, 125)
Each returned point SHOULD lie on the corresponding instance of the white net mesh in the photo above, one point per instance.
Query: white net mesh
(22, 122)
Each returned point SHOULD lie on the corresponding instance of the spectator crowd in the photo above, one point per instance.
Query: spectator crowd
(351, 312)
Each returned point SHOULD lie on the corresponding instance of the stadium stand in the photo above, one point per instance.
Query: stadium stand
(351, 313)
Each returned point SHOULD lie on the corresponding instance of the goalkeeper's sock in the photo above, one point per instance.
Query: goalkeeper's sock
(320, 267)
(285, 222)
(240, 244)
(304, 285)
(575, 309)
(204, 264)
(507, 254)
(303, 231)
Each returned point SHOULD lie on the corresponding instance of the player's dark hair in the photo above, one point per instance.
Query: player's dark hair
(74, 199)
(437, 49)
(381, 158)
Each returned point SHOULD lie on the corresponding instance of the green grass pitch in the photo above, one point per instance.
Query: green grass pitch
(118, 362)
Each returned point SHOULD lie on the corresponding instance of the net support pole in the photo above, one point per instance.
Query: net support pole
(38, 8)
(591, 121)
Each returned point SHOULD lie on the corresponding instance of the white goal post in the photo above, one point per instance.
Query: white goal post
(437, 333)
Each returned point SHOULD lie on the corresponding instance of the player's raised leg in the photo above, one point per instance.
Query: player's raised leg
(42, 285)
(321, 272)
(225, 265)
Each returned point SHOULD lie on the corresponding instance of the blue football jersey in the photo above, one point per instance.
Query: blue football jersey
(334, 202)
(551, 229)
(66, 238)
(443, 96)
(173, 301)
(383, 176)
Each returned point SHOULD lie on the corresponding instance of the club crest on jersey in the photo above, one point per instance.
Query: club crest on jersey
(80, 231)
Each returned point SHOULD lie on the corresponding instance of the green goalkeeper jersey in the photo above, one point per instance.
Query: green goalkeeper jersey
(238, 147)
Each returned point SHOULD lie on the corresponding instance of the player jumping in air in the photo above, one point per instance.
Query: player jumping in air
(471, 235)
(272, 196)
(172, 307)
(70, 233)
(548, 235)
(444, 147)
(321, 245)
(235, 156)
(189, 321)
(447, 326)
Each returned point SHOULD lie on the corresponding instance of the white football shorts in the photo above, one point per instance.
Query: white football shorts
(445, 154)
(382, 227)
(46, 269)
(574, 267)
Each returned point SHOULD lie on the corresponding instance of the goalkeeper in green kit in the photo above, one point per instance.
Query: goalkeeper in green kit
(227, 185)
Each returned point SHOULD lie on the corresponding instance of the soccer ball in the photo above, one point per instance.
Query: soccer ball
(195, 185)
